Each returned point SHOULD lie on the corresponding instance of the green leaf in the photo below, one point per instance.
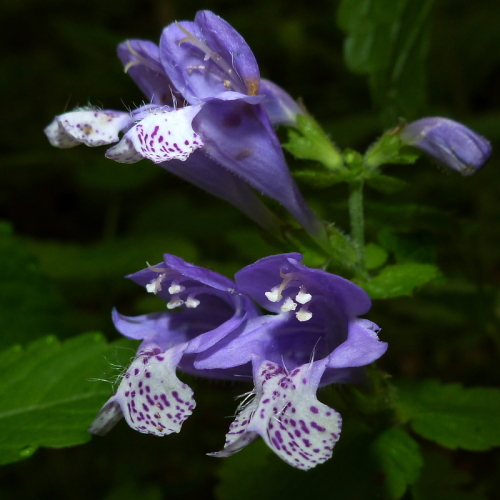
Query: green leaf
(375, 256)
(440, 481)
(400, 459)
(388, 41)
(451, 415)
(311, 143)
(29, 303)
(51, 391)
(399, 279)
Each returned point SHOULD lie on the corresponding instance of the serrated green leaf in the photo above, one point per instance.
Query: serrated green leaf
(451, 415)
(375, 256)
(400, 459)
(399, 279)
(388, 40)
(51, 391)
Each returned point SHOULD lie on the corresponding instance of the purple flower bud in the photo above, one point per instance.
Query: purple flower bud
(450, 143)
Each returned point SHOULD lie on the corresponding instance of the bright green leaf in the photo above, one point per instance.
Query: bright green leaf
(375, 256)
(51, 391)
(399, 279)
(400, 459)
(451, 415)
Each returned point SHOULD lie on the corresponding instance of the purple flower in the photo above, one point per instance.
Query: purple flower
(312, 337)
(450, 143)
(209, 65)
(150, 396)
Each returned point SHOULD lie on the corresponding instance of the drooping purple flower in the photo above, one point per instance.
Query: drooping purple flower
(209, 65)
(150, 396)
(314, 339)
(449, 142)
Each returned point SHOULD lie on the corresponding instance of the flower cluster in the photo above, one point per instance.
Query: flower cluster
(209, 119)
(310, 336)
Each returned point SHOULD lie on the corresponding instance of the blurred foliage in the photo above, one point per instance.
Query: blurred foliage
(80, 222)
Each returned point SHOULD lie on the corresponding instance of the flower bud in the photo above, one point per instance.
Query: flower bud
(450, 143)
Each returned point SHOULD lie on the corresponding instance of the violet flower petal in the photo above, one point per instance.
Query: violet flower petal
(281, 108)
(208, 175)
(141, 59)
(207, 57)
(238, 136)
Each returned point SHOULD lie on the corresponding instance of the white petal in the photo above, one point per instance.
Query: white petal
(58, 137)
(153, 400)
(93, 128)
(287, 415)
(123, 152)
(161, 136)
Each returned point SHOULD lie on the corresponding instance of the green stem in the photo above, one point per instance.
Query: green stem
(357, 220)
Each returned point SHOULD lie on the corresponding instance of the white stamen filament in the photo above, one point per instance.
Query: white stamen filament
(154, 286)
(209, 53)
(273, 295)
(175, 302)
(176, 288)
(288, 305)
(192, 303)
(303, 297)
(303, 314)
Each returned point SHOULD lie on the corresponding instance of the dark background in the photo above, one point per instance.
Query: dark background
(89, 221)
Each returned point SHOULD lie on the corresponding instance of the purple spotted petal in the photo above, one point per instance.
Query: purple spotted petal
(90, 127)
(150, 396)
(141, 59)
(161, 136)
(287, 415)
(207, 57)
